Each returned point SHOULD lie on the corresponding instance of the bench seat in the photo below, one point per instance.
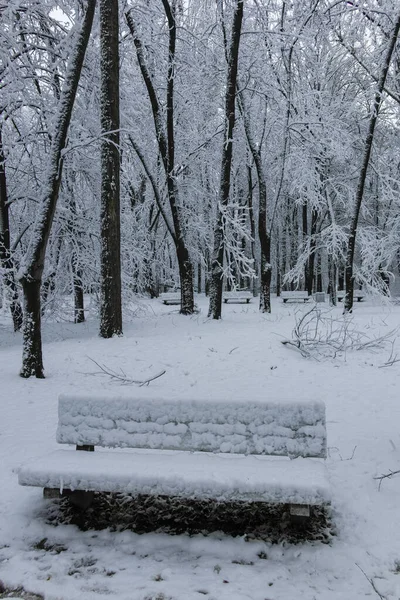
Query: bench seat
(359, 295)
(237, 296)
(183, 474)
(171, 298)
(295, 295)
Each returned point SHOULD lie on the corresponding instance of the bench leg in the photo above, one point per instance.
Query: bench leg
(299, 512)
(50, 493)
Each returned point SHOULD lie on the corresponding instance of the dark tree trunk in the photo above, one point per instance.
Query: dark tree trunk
(319, 273)
(166, 145)
(311, 259)
(110, 256)
(332, 281)
(263, 233)
(32, 271)
(32, 360)
(278, 265)
(79, 305)
(217, 263)
(5, 246)
(349, 268)
(199, 278)
(252, 225)
(305, 235)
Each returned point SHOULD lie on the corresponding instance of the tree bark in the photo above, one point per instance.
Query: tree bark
(263, 232)
(217, 262)
(110, 225)
(349, 268)
(32, 360)
(311, 260)
(5, 246)
(32, 266)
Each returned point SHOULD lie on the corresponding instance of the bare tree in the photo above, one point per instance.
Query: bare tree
(31, 270)
(349, 271)
(166, 145)
(217, 263)
(110, 305)
(6, 258)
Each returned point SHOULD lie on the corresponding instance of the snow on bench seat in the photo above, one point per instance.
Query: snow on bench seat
(181, 474)
(358, 294)
(237, 296)
(295, 295)
(171, 298)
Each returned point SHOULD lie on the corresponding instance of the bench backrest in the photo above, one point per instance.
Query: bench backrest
(294, 294)
(170, 295)
(246, 427)
(238, 294)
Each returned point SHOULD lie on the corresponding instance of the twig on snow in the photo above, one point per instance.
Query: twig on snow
(371, 581)
(121, 376)
(391, 360)
(385, 476)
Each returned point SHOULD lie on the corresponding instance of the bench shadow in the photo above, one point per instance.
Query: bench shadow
(144, 514)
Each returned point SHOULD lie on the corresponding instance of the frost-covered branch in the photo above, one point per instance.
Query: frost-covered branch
(121, 377)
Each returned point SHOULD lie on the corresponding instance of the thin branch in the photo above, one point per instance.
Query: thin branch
(371, 581)
(385, 476)
(121, 376)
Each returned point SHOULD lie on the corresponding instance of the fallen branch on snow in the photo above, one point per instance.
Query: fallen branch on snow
(121, 376)
(371, 581)
(385, 476)
(321, 336)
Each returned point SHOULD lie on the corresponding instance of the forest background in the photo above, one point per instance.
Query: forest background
(252, 144)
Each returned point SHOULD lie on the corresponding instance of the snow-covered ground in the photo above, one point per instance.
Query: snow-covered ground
(240, 357)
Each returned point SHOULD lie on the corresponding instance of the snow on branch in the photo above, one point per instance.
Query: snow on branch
(120, 376)
(322, 336)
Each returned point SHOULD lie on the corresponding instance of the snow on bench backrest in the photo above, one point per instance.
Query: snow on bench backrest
(238, 294)
(294, 294)
(246, 427)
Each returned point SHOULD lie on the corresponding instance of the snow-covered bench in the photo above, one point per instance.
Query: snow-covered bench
(358, 294)
(295, 295)
(225, 450)
(171, 297)
(237, 296)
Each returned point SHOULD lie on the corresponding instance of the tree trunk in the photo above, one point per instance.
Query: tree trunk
(304, 221)
(33, 263)
(349, 268)
(311, 259)
(32, 361)
(166, 145)
(263, 232)
(332, 281)
(79, 305)
(110, 256)
(5, 246)
(217, 263)
(252, 226)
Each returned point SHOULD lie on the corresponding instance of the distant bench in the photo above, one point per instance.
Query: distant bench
(295, 295)
(356, 294)
(171, 297)
(222, 448)
(237, 296)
